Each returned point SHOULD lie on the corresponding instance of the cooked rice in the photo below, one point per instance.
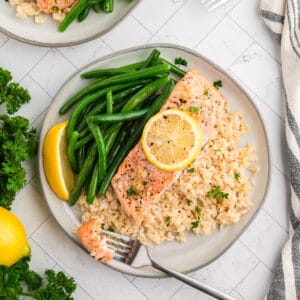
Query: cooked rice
(215, 166)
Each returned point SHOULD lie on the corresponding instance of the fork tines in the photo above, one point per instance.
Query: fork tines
(213, 4)
(125, 248)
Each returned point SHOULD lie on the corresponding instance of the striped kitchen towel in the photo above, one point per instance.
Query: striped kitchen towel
(283, 18)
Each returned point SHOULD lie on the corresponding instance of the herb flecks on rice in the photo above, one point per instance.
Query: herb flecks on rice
(175, 212)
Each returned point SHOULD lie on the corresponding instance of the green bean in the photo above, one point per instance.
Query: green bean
(72, 15)
(109, 102)
(83, 15)
(97, 134)
(144, 93)
(84, 132)
(118, 99)
(111, 72)
(71, 150)
(118, 117)
(92, 2)
(92, 185)
(77, 113)
(173, 68)
(83, 175)
(149, 101)
(97, 109)
(100, 108)
(83, 141)
(132, 104)
(110, 138)
(81, 155)
(123, 134)
(152, 59)
(134, 137)
(118, 79)
(97, 7)
(108, 6)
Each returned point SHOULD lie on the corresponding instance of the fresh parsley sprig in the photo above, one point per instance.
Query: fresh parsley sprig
(17, 140)
(18, 280)
(180, 61)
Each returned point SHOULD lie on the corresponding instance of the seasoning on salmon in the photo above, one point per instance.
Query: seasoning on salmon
(194, 94)
(52, 6)
(95, 242)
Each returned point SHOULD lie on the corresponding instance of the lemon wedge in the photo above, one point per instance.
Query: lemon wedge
(57, 166)
(171, 140)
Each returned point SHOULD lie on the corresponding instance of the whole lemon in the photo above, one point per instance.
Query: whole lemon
(13, 239)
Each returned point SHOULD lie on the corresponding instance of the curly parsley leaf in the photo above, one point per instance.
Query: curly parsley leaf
(11, 93)
(196, 223)
(168, 220)
(216, 193)
(17, 144)
(237, 176)
(181, 61)
(218, 84)
(18, 280)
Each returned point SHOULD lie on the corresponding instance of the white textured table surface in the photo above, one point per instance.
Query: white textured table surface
(235, 38)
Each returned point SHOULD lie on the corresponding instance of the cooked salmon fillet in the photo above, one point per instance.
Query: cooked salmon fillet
(95, 242)
(137, 182)
(51, 6)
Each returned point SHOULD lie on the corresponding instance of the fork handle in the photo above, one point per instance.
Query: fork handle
(193, 283)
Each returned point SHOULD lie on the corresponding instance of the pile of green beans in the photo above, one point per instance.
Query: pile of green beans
(81, 10)
(108, 117)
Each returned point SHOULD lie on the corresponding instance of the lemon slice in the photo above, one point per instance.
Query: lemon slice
(57, 166)
(171, 140)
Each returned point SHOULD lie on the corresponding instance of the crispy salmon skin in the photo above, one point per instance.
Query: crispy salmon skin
(137, 182)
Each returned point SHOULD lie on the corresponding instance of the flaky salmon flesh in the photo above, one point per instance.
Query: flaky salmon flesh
(95, 242)
(52, 6)
(137, 174)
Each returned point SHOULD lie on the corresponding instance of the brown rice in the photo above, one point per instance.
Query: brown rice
(172, 215)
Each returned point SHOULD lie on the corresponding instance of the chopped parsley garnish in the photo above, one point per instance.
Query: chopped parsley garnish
(237, 176)
(181, 61)
(110, 229)
(194, 109)
(191, 170)
(131, 192)
(206, 92)
(218, 194)
(188, 201)
(217, 150)
(55, 8)
(145, 183)
(218, 84)
(168, 220)
(102, 226)
(198, 208)
(196, 223)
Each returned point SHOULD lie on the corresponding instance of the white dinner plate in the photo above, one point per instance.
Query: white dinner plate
(196, 252)
(47, 34)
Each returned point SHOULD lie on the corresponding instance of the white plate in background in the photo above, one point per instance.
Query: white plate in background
(47, 34)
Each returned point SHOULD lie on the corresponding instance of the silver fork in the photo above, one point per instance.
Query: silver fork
(133, 253)
(213, 4)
